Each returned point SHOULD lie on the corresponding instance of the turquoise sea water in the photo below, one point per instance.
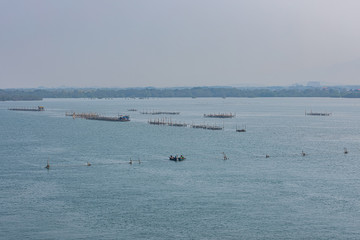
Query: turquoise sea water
(248, 196)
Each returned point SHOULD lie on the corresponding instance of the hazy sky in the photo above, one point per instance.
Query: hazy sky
(165, 43)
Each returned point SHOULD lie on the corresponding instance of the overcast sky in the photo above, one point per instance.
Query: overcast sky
(168, 43)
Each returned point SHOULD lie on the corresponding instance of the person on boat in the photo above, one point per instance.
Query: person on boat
(181, 157)
(47, 165)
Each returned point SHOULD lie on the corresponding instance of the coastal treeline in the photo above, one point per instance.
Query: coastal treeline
(38, 94)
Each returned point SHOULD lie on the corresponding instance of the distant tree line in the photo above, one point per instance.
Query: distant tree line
(38, 94)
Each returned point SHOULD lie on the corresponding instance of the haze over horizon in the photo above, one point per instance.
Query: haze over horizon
(162, 43)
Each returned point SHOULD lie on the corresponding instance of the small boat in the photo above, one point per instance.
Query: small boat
(88, 164)
(267, 156)
(241, 129)
(303, 153)
(176, 158)
(225, 157)
(47, 165)
(345, 151)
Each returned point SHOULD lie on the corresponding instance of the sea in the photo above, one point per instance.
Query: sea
(248, 196)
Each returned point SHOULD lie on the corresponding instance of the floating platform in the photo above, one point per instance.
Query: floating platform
(220, 115)
(208, 127)
(160, 113)
(120, 118)
(168, 122)
(95, 116)
(317, 113)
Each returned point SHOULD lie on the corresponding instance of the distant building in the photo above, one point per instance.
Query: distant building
(313, 84)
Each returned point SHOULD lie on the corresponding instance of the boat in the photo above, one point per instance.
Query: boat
(176, 158)
(241, 129)
(36, 109)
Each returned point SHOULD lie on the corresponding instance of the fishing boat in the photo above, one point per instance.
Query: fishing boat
(176, 158)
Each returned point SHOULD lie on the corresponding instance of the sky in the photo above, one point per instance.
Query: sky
(176, 43)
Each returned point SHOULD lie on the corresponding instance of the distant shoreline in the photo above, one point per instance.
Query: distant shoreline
(195, 92)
